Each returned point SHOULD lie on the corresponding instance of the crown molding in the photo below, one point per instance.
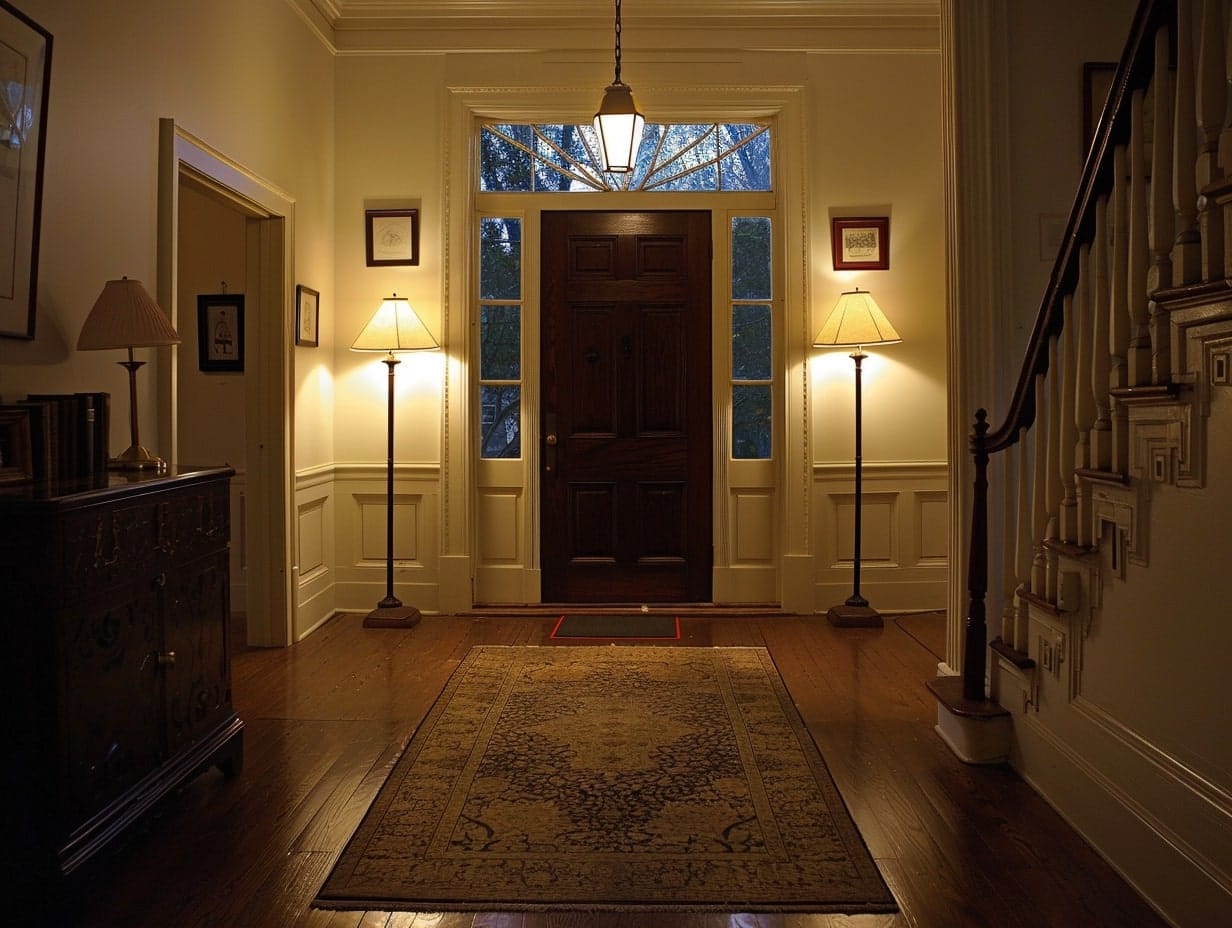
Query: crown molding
(441, 26)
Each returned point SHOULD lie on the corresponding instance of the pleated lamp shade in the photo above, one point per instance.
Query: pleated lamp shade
(125, 316)
(855, 321)
(394, 327)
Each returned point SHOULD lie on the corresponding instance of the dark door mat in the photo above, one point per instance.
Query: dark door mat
(617, 625)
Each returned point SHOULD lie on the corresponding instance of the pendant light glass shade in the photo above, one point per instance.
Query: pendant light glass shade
(619, 126)
(618, 122)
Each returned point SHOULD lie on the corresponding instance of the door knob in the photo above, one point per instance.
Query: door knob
(551, 439)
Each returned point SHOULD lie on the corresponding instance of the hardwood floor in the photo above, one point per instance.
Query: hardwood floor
(958, 845)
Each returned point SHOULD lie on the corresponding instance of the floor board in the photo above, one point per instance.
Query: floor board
(326, 719)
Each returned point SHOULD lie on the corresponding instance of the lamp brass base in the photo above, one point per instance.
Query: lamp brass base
(137, 457)
(392, 617)
(846, 616)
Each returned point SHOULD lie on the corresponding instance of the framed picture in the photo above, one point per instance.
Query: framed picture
(307, 316)
(16, 463)
(220, 332)
(25, 73)
(392, 236)
(860, 244)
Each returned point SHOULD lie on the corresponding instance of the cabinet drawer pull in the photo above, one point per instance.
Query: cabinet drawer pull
(166, 659)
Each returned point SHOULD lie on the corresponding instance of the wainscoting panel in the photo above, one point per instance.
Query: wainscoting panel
(932, 525)
(501, 575)
(314, 549)
(754, 525)
(359, 567)
(904, 539)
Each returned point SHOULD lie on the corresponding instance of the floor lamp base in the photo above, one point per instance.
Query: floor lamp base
(846, 616)
(392, 617)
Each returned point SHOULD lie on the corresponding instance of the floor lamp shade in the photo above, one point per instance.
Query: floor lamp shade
(856, 321)
(393, 328)
(126, 316)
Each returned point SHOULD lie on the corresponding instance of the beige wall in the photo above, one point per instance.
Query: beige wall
(1043, 113)
(245, 76)
(875, 149)
(390, 152)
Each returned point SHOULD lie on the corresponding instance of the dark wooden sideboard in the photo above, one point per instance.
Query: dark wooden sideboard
(116, 667)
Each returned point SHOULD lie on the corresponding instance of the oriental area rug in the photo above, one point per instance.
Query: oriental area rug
(609, 779)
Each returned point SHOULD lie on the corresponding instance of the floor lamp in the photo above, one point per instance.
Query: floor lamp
(126, 316)
(856, 321)
(393, 328)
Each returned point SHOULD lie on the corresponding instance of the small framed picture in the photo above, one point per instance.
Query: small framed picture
(392, 236)
(860, 244)
(307, 316)
(220, 332)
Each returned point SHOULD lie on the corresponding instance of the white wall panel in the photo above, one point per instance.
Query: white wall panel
(904, 536)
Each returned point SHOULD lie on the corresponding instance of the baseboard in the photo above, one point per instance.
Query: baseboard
(1183, 886)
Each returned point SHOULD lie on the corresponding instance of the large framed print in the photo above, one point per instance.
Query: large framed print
(25, 74)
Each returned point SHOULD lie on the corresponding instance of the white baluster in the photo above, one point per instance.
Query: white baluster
(1039, 488)
(1052, 477)
(1187, 250)
(1080, 406)
(1067, 427)
(1023, 544)
(1099, 452)
(1009, 553)
(1162, 217)
(1139, 356)
(1211, 96)
(1118, 316)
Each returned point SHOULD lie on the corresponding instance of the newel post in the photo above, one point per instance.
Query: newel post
(976, 640)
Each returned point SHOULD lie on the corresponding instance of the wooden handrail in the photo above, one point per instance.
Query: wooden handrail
(1133, 72)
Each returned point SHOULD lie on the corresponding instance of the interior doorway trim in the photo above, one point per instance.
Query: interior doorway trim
(268, 388)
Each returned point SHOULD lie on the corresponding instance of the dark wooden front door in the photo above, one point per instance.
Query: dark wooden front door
(626, 474)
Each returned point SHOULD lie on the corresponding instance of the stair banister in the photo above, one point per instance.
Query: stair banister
(1133, 74)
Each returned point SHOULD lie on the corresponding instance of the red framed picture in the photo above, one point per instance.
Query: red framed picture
(860, 244)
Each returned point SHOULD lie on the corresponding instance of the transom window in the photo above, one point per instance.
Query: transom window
(706, 157)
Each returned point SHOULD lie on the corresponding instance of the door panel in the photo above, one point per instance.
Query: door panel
(626, 486)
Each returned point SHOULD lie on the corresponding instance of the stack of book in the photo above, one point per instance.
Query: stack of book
(69, 434)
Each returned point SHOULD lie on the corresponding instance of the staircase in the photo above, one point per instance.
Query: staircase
(1101, 673)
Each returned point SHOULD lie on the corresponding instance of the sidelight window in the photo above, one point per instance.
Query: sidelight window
(752, 333)
(500, 337)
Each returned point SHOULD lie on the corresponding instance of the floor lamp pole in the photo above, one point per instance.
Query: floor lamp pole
(389, 612)
(855, 612)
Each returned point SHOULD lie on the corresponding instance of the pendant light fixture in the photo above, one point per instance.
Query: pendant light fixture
(618, 122)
